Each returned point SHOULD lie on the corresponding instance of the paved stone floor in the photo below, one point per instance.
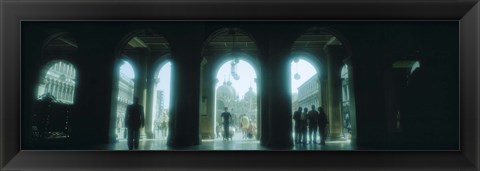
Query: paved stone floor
(238, 143)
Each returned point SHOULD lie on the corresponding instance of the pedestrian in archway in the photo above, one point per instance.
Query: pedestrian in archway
(304, 125)
(322, 124)
(164, 124)
(313, 124)
(244, 123)
(297, 117)
(226, 116)
(134, 121)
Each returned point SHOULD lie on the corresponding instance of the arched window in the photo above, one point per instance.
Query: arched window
(58, 82)
(345, 93)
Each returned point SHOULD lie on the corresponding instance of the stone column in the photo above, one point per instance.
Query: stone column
(141, 85)
(54, 92)
(207, 100)
(94, 116)
(70, 93)
(62, 91)
(351, 94)
(275, 88)
(48, 86)
(150, 95)
(336, 54)
(186, 59)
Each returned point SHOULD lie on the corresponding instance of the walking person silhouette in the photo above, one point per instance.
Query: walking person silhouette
(226, 123)
(134, 120)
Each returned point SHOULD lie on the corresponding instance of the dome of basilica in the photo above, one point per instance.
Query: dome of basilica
(226, 90)
(250, 94)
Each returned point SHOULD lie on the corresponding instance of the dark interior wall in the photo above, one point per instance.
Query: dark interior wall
(431, 99)
(367, 64)
(373, 47)
(432, 90)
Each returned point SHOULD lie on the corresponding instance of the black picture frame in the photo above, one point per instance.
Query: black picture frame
(14, 11)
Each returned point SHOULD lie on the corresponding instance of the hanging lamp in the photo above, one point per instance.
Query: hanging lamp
(296, 76)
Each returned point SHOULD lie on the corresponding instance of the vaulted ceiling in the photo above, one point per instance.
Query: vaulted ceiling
(220, 44)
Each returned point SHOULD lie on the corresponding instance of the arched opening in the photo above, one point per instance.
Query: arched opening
(321, 53)
(125, 92)
(161, 101)
(237, 93)
(145, 51)
(306, 91)
(57, 79)
(57, 82)
(229, 78)
(55, 92)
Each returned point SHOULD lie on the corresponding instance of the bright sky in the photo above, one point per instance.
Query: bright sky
(127, 69)
(165, 77)
(244, 69)
(247, 77)
(306, 71)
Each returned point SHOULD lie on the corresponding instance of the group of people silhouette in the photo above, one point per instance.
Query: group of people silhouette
(311, 122)
(306, 121)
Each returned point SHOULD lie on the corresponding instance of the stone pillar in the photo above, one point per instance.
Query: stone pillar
(207, 100)
(276, 88)
(150, 95)
(73, 93)
(184, 114)
(141, 85)
(93, 116)
(336, 54)
(353, 112)
(62, 92)
(54, 92)
(67, 93)
(47, 87)
(70, 93)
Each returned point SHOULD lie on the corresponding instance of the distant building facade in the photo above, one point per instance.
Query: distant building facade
(228, 97)
(124, 98)
(59, 82)
(309, 93)
(294, 102)
(160, 103)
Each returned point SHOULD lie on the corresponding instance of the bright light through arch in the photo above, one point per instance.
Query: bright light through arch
(164, 77)
(247, 77)
(127, 69)
(306, 71)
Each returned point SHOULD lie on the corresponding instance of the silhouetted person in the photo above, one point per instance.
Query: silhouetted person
(304, 124)
(322, 124)
(134, 121)
(313, 124)
(226, 123)
(347, 125)
(297, 117)
(251, 131)
(164, 124)
(244, 123)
